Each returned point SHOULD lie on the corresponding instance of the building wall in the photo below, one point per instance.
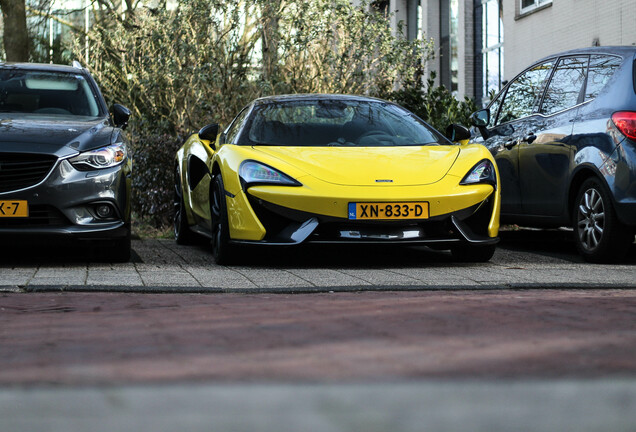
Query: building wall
(431, 30)
(563, 25)
(467, 54)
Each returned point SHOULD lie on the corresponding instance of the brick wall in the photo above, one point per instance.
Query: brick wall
(566, 24)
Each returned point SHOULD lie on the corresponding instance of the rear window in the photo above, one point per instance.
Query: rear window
(46, 93)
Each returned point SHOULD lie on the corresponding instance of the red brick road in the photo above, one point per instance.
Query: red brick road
(86, 338)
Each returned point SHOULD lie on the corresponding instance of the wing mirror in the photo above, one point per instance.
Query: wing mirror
(480, 120)
(121, 114)
(209, 132)
(456, 133)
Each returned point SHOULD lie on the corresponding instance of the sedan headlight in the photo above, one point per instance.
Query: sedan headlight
(483, 172)
(252, 172)
(105, 157)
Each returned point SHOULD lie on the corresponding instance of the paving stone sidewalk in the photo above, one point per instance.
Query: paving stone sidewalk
(162, 265)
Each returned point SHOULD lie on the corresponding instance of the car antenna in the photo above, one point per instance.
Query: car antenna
(77, 64)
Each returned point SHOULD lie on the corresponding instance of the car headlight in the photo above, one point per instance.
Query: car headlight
(105, 157)
(483, 172)
(252, 172)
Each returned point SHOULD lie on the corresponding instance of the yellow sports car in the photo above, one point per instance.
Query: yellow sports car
(335, 169)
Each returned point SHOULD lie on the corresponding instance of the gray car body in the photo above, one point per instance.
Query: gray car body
(72, 192)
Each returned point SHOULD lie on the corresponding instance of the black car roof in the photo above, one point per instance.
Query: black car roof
(42, 67)
(623, 51)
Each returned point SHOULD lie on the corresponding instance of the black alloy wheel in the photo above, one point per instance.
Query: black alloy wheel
(472, 253)
(222, 250)
(599, 235)
(182, 233)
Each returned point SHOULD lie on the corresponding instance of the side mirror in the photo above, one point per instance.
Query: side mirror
(209, 132)
(480, 119)
(455, 133)
(121, 114)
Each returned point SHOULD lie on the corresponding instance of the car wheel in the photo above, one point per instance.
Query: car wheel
(223, 252)
(182, 233)
(470, 253)
(599, 235)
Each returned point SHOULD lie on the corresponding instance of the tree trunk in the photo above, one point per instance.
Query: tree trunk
(270, 37)
(16, 37)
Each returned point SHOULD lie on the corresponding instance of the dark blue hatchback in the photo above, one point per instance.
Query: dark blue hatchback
(563, 133)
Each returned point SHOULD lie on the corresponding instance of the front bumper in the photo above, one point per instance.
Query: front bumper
(65, 204)
(285, 226)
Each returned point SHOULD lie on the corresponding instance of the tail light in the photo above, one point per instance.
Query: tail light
(625, 121)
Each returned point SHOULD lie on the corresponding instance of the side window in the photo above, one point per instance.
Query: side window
(565, 86)
(601, 69)
(524, 93)
(494, 108)
(231, 134)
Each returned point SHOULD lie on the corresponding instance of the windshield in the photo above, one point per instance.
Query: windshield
(336, 122)
(46, 93)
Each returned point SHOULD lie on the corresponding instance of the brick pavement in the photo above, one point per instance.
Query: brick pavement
(106, 338)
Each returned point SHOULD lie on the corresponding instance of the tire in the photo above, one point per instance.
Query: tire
(223, 251)
(599, 236)
(470, 253)
(182, 233)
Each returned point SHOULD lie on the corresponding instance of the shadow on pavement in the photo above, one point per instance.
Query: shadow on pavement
(335, 256)
(52, 252)
(557, 243)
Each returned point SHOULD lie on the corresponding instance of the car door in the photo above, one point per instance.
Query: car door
(511, 120)
(545, 154)
(199, 167)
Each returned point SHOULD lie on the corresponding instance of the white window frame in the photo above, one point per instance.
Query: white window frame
(536, 4)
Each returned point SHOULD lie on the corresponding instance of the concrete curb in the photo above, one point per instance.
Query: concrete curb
(312, 289)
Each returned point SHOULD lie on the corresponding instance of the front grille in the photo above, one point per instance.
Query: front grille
(19, 171)
(39, 216)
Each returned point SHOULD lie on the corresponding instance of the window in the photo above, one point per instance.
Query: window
(232, 133)
(524, 93)
(47, 93)
(322, 122)
(492, 51)
(454, 45)
(448, 44)
(529, 5)
(564, 90)
(494, 108)
(601, 69)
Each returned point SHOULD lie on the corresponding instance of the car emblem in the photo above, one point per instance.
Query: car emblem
(384, 181)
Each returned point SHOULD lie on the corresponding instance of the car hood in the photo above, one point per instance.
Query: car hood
(58, 135)
(365, 166)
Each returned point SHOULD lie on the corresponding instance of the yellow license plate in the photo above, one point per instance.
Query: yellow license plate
(401, 210)
(14, 208)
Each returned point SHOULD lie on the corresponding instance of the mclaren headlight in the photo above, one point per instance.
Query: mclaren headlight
(483, 172)
(252, 173)
(105, 157)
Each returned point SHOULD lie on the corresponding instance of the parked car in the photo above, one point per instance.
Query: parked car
(64, 169)
(563, 133)
(335, 169)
